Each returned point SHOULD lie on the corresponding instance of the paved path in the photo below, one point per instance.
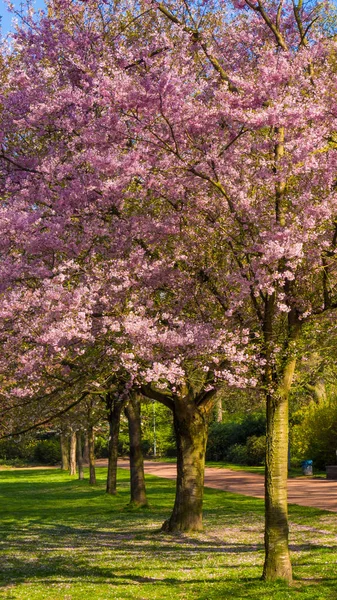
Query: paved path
(318, 493)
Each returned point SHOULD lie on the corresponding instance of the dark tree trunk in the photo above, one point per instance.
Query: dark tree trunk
(137, 479)
(64, 452)
(86, 448)
(91, 443)
(115, 407)
(191, 429)
(79, 455)
(72, 466)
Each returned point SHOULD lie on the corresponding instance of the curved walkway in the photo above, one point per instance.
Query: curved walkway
(318, 493)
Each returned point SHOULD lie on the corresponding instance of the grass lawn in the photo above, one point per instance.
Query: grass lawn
(63, 540)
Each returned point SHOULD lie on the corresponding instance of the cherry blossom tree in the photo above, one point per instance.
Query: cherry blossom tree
(180, 187)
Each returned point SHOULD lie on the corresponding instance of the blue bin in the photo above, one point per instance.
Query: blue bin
(307, 467)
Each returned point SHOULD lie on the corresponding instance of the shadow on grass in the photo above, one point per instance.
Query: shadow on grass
(58, 529)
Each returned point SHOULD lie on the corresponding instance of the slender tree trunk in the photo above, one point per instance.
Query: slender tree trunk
(277, 563)
(79, 455)
(191, 428)
(218, 407)
(137, 479)
(72, 466)
(64, 452)
(115, 407)
(86, 448)
(91, 443)
(277, 559)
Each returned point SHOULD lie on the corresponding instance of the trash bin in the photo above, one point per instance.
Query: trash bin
(306, 467)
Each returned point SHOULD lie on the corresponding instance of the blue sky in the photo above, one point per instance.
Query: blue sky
(6, 16)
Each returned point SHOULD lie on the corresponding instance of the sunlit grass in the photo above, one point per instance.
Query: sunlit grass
(61, 539)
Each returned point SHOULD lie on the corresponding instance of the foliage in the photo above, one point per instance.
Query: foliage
(31, 449)
(229, 440)
(315, 436)
(237, 454)
(157, 426)
(256, 449)
(101, 446)
(21, 448)
(166, 199)
(48, 452)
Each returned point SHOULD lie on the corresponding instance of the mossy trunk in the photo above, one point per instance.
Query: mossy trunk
(79, 455)
(91, 444)
(64, 441)
(277, 558)
(114, 416)
(137, 478)
(72, 453)
(191, 429)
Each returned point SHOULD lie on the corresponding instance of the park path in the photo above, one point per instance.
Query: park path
(305, 491)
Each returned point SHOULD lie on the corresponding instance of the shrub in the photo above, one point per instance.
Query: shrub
(101, 447)
(315, 438)
(48, 452)
(256, 450)
(222, 436)
(14, 448)
(238, 454)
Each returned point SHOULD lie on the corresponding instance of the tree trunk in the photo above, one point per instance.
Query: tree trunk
(86, 448)
(277, 559)
(137, 479)
(91, 443)
(72, 466)
(218, 408)
(115, 407)
(64, 452)
(79, 455)
(191, 429)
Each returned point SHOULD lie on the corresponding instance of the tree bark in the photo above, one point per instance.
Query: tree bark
(91, 443)
(191, 429)
(64, 452)
(79, 455)
(115, 406)
(277, 563)
(137, 478)
(277, 559)
(86, 448)
(218, 407)
(72, 466)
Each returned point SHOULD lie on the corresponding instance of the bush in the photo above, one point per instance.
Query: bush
(256, 450)
(48, 452)
(14, 448)
(222, 436)
(101, 447)
(315, 438)
(237, 454)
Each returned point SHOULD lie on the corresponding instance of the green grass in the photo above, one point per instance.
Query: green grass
(63, 540)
